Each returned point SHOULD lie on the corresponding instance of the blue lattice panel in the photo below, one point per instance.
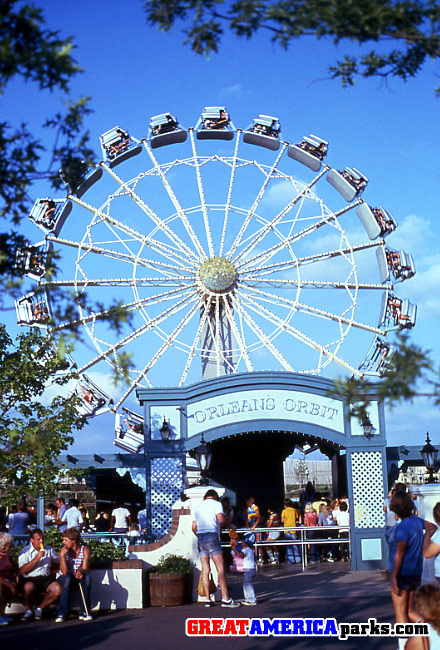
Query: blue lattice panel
(368, 491)
(166, 486)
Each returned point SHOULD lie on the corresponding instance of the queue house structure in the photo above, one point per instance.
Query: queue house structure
(252, 422)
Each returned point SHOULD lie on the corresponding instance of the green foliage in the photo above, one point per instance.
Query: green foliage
(410, 374)
(172, 564)
(408, 29)
(30, 51)
(99, 551)
(48, 62)
(105, 551)
(34, 428)
(52, 537)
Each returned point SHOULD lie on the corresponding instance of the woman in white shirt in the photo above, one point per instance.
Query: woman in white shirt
(431, 540)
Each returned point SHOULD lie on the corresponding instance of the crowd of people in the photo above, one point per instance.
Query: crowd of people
(44, 577)
(257, 545)
(22, 519)
(410, 539)
(42, 573)
(313, 511)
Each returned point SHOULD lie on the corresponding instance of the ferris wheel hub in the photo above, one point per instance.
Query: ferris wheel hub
(217, 275)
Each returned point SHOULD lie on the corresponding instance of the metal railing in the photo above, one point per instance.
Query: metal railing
(301, 538)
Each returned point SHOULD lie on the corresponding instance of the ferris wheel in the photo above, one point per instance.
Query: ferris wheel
(240, 252)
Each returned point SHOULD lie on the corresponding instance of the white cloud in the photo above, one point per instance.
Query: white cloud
(423, 290)
(414, 234)
(235, 89)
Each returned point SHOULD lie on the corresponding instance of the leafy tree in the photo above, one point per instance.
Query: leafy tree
(34, 429)
(405, 34)
(410, 374)
(30, 51)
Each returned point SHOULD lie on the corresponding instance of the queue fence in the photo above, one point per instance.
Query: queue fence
(302, 539)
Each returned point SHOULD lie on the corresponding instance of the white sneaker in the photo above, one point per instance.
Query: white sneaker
(230, 603)
(27, 615)
(38, 614)
(85, 617)
(59, 619)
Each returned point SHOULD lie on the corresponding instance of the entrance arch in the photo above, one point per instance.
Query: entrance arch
(280, 408)
(251, 463)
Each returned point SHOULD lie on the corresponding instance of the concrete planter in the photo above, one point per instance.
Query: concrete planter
(115, 585)
(118, 587)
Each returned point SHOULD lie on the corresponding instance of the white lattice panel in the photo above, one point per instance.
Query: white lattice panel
(166, 486)
(368, 495)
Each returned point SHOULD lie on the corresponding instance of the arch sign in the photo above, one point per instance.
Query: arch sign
(253, 405)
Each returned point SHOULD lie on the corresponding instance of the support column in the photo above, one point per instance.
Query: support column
(40, 512)
(226, 342)
(335, 475)
(165, 480)
(367, 489)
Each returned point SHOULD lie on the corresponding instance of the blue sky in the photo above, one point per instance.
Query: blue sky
(388, 131)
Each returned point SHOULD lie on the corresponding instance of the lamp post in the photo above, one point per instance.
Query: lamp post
(203, 456)
(165, 430)
(367, 427)
(429, 454)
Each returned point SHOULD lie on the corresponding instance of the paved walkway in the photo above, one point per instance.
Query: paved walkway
(324, 590)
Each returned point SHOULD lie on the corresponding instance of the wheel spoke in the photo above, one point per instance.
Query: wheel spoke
(255, 204)
(125, 257)
(316, 257)
(160, 223)
(280, 283)
(228, 200)
(277, 300)
(270, 224)
(265, 340)
(238, 337)
(324, 221)
(182, 216)
(113, 348)
(159, 247)
(202, 195)
(192, 351)
(185, 320)
(131, 306)
(297, 334)
(121, 282)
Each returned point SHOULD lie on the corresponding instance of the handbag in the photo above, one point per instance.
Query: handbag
(212, 586)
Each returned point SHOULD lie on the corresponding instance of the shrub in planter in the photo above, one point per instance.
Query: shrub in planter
(104, 552)
(169, 581)
(100, 552)
(172, 564)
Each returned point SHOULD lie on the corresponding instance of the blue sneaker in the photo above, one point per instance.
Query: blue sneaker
(5, 620)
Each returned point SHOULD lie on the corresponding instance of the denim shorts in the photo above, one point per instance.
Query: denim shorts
(209, 544)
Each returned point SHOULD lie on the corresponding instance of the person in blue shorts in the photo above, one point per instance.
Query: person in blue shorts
(406, 557)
